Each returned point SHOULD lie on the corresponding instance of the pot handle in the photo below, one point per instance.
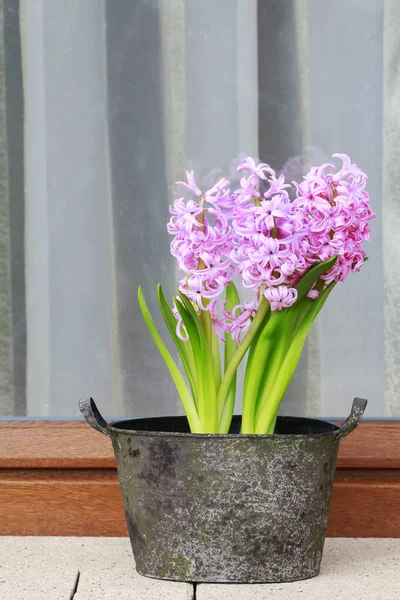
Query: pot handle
(353, 420)
(92, 415)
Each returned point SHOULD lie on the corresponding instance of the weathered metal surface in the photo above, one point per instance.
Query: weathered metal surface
(226, 508)
(353, 420)
(92, 415)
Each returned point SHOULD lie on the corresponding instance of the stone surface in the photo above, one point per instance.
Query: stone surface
(39, 568)
(108, 573)
(33, 568)
(352, 569)
(46, 568)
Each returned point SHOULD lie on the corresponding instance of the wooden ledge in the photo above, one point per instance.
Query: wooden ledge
(88, 502)
(59, 478)
(73, 445)
(53, 444)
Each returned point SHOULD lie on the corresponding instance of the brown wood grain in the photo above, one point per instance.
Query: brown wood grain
(373, 445)
(64, 502)
(59, 478)
(87, 502)
(365, 504)
(73, 444)
(53, 444)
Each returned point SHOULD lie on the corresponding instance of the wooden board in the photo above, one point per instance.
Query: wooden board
(53, 444)
(73, 444)
(59, 478)
(365, 504)
(61, 502)
(80, 502)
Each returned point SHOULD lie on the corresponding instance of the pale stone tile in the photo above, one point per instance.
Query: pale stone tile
(108, 572)
(40, 568)
(45, 568)
(352, 569)
(33, 568)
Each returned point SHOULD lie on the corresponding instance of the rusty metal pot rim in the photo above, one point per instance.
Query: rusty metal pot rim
(251, 436)
(94, 418)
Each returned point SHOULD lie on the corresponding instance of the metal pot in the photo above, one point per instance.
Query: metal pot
(226, 508)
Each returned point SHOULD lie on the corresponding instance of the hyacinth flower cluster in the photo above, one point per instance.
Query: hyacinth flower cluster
(288, 244)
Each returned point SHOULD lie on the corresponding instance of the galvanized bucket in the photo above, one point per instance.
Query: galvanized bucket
(226, 508)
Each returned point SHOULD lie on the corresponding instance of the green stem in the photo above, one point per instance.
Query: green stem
(205, 320)
(271, 399)
(216, 359)
(183, 391)
(230, 347)
(255, 368)
(223, 399)
(281, 343)
(206, 390)
(273, 424)
(247, 410)
(184, 348)
(304, 307)
(192, 366)
(231, 395)
(210, 370)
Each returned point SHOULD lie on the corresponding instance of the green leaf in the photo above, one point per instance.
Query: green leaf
(230, 346)
(192, 312)
(325, 295)
(224, 400)
(283, 338)
(216, 359)
(314, 272)
(232, 300)
(193, 333)
(184, 348)
(183, 390)
(257, 361)
(272, 397)
(207, 396)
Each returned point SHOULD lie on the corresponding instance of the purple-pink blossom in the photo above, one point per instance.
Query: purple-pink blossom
(202, 240)
(280, 296)
(270, 240)
(337, 212)
(237, 321)
(269, 235)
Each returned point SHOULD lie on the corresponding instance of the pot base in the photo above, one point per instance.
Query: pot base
(232, 580)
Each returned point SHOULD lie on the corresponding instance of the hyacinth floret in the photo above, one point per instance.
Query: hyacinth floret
(337, 212)
(259, 233)
(202, 240)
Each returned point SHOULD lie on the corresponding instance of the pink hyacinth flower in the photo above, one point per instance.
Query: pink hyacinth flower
(280, 297)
